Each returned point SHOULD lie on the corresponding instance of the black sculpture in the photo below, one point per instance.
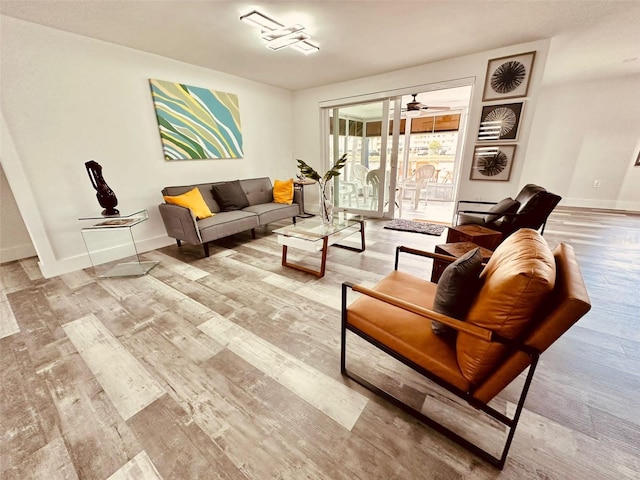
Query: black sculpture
(106, 198)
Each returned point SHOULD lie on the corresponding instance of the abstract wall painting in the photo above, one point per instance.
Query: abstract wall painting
(492, 162)
(196, 123)
(500, 122)
(508, 77)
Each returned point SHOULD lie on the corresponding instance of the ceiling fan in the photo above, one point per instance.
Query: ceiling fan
(414, 107)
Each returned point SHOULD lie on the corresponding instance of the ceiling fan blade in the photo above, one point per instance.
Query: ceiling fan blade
(433, 107)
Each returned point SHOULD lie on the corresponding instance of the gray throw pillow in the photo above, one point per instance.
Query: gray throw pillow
(507, 205)
(457, 287)
(230, 196)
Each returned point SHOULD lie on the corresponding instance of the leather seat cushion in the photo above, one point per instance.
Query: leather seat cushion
(404, 332)
(516, 280)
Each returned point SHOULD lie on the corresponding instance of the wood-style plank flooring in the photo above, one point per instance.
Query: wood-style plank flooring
(228, 367)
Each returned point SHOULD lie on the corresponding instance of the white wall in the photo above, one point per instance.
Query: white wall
(67, 99)
(307, 140)
(15, 242)
(587, 132)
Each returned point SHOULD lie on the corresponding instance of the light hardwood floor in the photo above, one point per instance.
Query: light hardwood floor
(228, 367)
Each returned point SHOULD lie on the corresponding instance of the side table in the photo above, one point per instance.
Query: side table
(482, 236)
(299, 185)
(455, 250)
(112, 247)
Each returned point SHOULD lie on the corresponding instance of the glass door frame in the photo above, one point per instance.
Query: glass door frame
(385, 207)
(390, 94)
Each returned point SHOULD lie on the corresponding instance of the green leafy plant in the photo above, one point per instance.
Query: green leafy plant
(334, 171)
(326, 192)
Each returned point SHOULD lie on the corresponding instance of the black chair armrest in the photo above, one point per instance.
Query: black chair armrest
(480, 212)
(421, 253)
(477, 201)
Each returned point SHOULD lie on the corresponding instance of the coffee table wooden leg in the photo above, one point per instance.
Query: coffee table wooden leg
(323, 262)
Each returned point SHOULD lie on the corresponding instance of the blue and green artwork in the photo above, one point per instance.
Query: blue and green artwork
(196, 123)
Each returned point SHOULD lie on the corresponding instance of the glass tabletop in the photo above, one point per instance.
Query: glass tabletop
(136, 213)
(127, 219)
(313, 229)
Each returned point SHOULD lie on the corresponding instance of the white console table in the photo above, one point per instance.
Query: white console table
(111, 245)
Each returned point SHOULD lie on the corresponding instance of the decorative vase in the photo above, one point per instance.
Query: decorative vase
(106, 198)
(326, 202)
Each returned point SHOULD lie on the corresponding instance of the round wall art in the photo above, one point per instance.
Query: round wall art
(508, 77)
(500, 122)
(492, 162)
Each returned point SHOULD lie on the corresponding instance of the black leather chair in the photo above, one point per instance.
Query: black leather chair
(530, 209)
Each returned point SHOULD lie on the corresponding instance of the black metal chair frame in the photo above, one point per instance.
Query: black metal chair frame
(512, 346)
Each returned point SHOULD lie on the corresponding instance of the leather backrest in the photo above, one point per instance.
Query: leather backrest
(517, 279)
(528, 192)
(536, 204)
(568, 302)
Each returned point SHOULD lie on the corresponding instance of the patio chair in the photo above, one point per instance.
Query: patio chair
(373, 180)
(418, 182)
(360, 177)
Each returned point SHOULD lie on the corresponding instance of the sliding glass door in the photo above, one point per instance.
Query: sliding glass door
(365, 132)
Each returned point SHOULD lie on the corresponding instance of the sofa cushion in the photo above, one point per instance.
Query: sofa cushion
(507, 205)
(283, 191)
(457, 287)
(193, 201)
(258, 190)
(273, 212)
(515, 282)
(230, 196)
(227, 223)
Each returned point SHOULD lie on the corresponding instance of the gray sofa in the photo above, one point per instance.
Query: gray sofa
(182, 225)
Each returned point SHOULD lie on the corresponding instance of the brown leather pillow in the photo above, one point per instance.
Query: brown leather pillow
(515, 282)
(457, 288)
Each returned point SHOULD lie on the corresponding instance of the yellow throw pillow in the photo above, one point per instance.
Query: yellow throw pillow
(283, 191)
(193, 201)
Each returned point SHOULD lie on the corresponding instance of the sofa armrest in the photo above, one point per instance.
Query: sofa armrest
(180, 223)
(297, 198)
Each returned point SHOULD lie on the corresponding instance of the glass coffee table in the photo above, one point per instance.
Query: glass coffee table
(312, 236)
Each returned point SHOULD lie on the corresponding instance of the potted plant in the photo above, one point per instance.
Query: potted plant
(326, 196)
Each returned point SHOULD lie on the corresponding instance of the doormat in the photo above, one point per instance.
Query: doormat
(418, 227)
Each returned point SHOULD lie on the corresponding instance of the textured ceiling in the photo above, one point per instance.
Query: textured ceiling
(590, 39)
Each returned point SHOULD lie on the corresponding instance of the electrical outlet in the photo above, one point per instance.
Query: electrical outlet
(596, 184)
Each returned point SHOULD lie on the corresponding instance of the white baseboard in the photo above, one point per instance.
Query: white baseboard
(16, 252)
(72, 264)
(606, 204)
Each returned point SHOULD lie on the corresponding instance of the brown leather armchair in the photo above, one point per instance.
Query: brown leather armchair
(530, 209)
(528, 297)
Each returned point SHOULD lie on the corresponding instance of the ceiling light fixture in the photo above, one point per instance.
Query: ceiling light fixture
(286, 40)
(306, 47)
(412, 113)
(257, 19)
(277, 36)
